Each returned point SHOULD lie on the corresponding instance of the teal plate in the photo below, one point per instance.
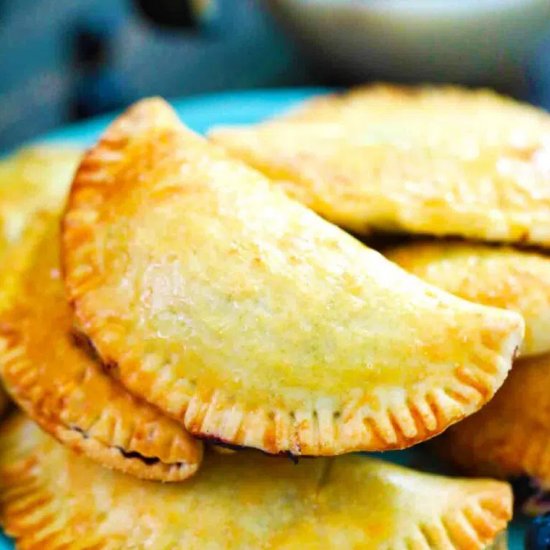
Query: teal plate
(202, 112)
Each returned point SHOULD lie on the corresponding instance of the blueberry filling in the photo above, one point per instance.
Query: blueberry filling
(147, 460)
(82, 342)
(220, 442)
(224, 444)
(80, 431)
(530, 495)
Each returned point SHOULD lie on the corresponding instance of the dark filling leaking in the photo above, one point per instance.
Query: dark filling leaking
(147, 460)
(213, 440)
(530, 495)
(80, 431)
(81, 341)
(292, 457)
(219, 442)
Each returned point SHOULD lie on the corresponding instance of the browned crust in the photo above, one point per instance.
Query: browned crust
(473, 512)
(64, 390)
(510, 436)
(209, 413)
(329, 182)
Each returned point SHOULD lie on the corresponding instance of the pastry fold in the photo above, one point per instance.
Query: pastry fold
(250, 319)
(60, 384)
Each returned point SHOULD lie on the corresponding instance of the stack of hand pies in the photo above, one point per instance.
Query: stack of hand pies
(226, 290)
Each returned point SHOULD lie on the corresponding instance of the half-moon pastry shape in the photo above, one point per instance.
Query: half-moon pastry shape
(436, 160)
(252, 320)
(50, 376)
(52, 499)
(503, 277)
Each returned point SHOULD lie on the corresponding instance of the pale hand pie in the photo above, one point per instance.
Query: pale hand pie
(510, 437)
(495, 276)
(252, 320)
(440, 161)
(52, 499)
(63, 388)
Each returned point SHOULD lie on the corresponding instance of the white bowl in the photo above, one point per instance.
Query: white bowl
(466, 41)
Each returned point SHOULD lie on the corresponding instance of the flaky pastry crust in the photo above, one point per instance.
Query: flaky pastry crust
(252, 320)
(51, 499)
(511, 436)
(503, 277)
(433, 160)
(60, 385)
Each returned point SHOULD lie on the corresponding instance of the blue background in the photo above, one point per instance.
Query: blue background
(239, 46)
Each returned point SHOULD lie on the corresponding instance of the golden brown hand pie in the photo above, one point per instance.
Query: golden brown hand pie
(54, 499)
(35, 178)
(441, 161)
(251, 319)
(510, 437)
(494, 276)
(64, 389)
(32, 179)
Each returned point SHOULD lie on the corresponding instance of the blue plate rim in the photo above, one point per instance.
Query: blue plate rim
(192, 105)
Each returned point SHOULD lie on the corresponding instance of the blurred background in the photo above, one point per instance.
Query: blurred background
(63, 60)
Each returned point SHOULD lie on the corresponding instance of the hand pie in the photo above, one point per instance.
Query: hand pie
(65, 390)
(51, 498)
(253, 321)
(36, 178)
(494, 276)
(510, 437)
(441, 161)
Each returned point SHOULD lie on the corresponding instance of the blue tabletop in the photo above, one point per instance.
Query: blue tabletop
(202, 112)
